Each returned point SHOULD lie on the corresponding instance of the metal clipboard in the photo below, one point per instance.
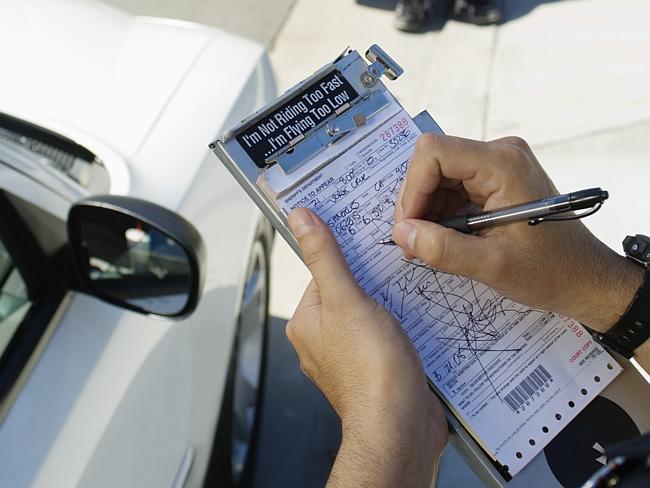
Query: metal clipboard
(332, 133)
(267, 161)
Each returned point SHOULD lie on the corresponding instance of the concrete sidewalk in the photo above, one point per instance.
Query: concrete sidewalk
(569, 76)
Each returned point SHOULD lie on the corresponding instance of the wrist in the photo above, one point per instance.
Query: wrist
(400, 445)
(418, 426)
(618, 284)
(391, 405)
(400, 417)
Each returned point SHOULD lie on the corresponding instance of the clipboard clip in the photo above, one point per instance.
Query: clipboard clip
(343, 125)
(346, 120)
(380, 64)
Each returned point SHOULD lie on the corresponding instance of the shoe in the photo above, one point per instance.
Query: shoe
(479, 12)
(410, 15)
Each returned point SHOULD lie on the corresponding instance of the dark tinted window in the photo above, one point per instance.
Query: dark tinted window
(14, 302)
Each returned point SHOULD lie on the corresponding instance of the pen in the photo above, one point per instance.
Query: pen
(546, 209)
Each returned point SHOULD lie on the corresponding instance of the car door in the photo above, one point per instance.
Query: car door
(92, 395)
(32, 296)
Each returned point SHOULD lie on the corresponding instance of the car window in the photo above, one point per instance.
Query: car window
(33, 278)
(14, 301)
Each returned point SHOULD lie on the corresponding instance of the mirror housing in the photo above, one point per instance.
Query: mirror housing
(136, 255)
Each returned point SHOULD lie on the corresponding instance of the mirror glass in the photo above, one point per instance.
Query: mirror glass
(130, 262)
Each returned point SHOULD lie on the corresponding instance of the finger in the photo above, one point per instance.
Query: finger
(448, 250)
(514, 141)
(438, 157)
(323, 257)
(445, 183)
(445, 203)
(450, 184)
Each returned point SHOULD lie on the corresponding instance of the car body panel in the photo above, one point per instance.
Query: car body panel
(120, 70)
(167, 162)
(100, 363)
(117, 398)
(72, 401)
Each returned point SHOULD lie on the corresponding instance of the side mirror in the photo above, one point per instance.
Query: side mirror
(137, 255)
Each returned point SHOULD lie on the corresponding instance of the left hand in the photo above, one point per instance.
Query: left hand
(359, 356)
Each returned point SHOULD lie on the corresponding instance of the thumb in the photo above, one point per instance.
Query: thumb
(323, 257)
(446, 249)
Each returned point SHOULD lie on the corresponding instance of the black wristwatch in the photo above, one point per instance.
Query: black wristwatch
(633, 328)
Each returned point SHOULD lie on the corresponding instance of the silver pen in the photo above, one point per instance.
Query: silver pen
(555, 208)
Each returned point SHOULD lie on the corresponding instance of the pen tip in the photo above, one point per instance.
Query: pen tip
(387, 242)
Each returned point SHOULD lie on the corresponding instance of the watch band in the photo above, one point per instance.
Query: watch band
(633, 328)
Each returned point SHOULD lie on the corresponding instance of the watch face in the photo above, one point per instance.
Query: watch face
(638, 248)
(578, 451)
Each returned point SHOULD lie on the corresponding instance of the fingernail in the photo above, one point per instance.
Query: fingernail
(404, 233)
(300, 222)
(399, 213)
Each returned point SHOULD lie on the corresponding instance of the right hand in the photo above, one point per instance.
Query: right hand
(560, 267)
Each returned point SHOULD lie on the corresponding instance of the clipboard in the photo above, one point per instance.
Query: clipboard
(275, 150)
(256, 148)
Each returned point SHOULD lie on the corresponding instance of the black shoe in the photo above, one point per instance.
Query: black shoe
(410, 15)
(479, 12)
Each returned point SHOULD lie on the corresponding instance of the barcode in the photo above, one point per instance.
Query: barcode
(524, 391)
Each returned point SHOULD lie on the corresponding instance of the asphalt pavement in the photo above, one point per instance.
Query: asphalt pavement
(300, 432)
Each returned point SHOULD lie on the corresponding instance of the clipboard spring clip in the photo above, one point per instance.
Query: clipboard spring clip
(306, 146)
(380, 64)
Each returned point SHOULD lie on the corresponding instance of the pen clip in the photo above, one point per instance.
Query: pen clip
(563, 216)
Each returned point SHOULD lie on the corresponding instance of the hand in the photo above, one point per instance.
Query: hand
(360, 358)
(559, 267)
